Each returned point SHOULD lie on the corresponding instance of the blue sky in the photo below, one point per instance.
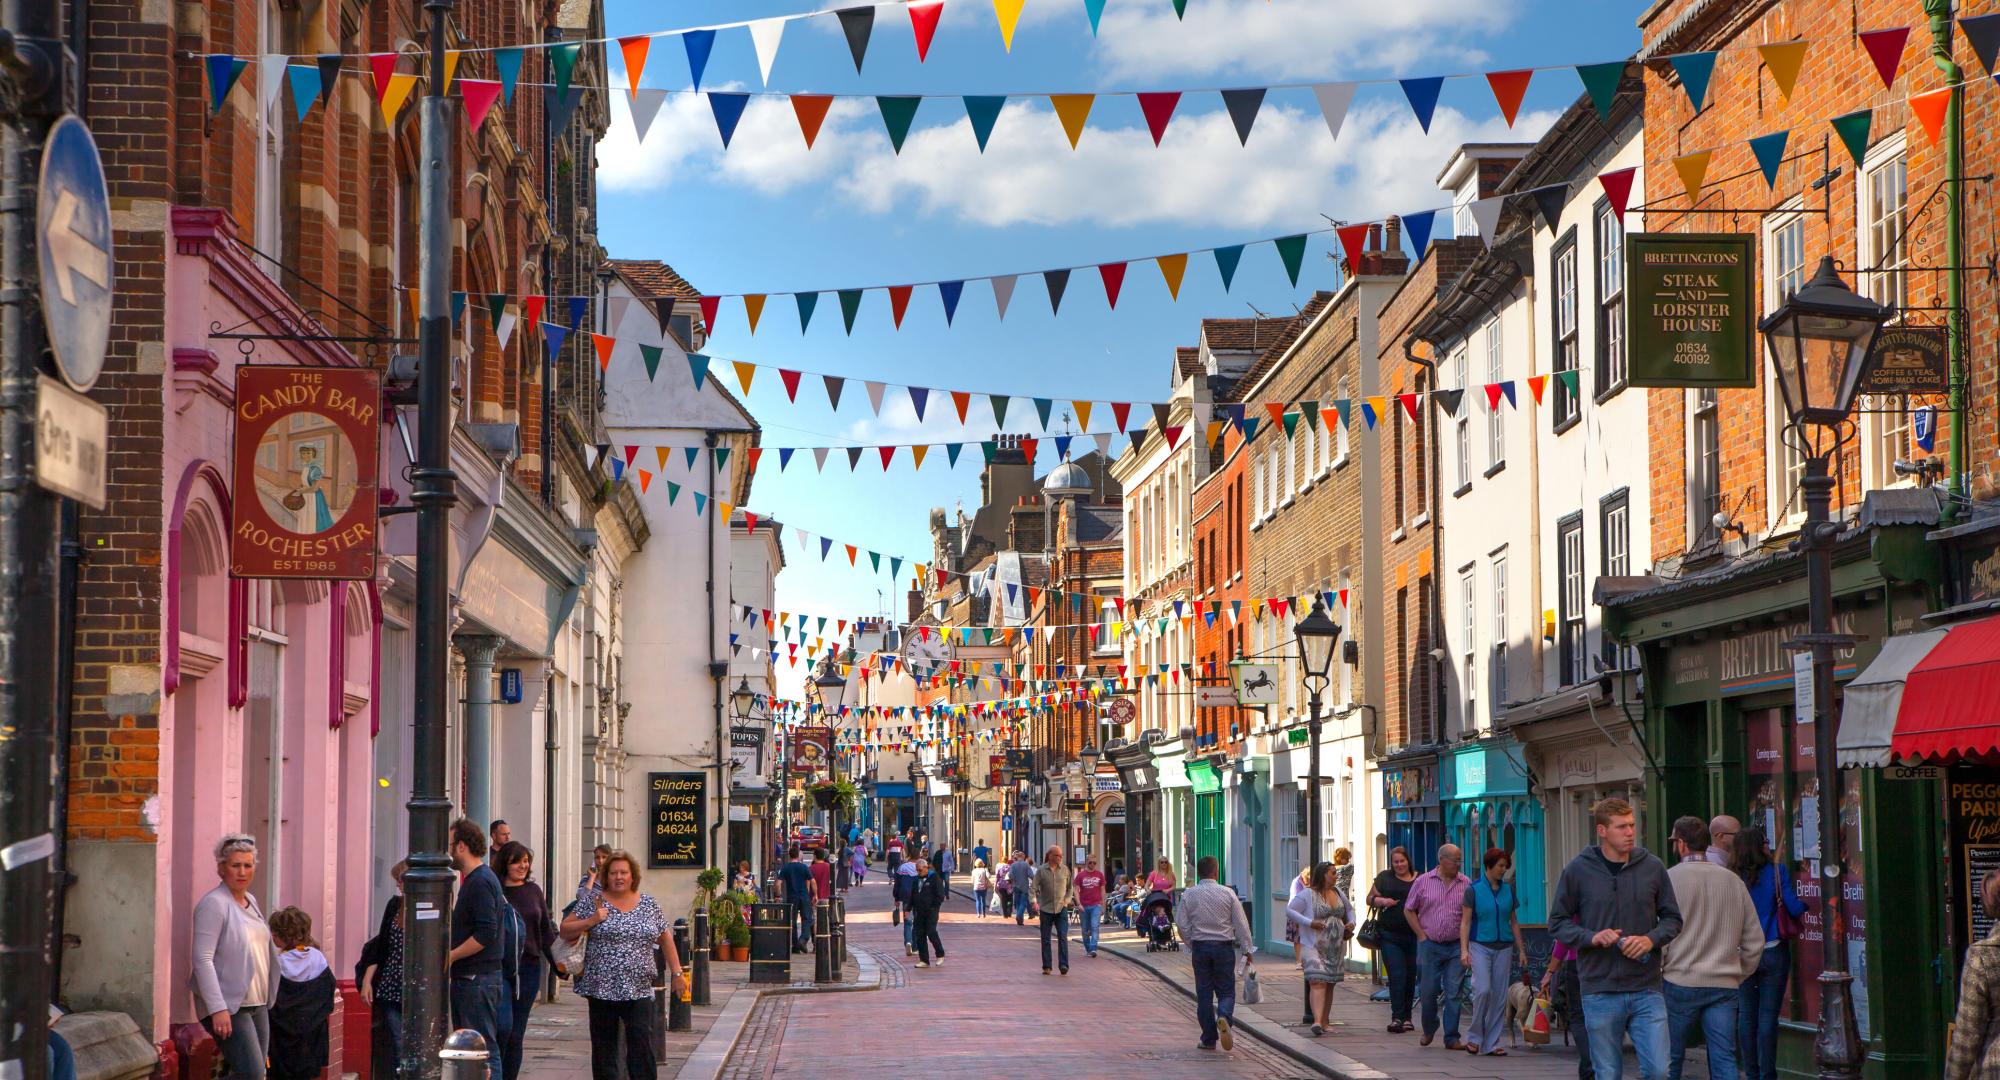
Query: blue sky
(768, 216)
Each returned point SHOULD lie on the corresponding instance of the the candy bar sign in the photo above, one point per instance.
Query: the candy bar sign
(305, 491)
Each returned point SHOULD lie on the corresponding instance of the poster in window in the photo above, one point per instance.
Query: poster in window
(1690, 309)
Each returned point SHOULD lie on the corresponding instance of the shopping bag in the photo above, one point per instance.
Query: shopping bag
(1253, 992)
(1540, 1020)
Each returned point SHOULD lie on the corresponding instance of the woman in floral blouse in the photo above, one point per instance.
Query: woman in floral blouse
(625, 926)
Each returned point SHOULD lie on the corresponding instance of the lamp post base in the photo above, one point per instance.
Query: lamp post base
(1837, 1050)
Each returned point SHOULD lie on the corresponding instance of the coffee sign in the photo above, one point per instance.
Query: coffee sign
(1690, 311)
(305, 494)
(1907, 360)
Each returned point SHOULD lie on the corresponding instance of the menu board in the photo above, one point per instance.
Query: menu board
(679, 811)
(1972, 812)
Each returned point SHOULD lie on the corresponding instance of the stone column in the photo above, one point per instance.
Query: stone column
(479, 651)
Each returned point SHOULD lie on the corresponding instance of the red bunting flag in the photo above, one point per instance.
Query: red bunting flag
(1618, 188)
(631, 455)
(635, 49)
(899, 302)
(1159, 108)
(1353, 239)
(1508, 89)
(1930, 109)
(1537, 384)
(791, 380)
(755, 453)
(888, 453)
(531, 308)
(1173, 435)
(959, 400)
(1028, 449)
(1119, 411)
(1492, 396)
(1885, 47)
(1409, 404)
(384, 67)
(709, 304)
(479, 96)
(604, 346)
(749, 521)
(1114, 279)
(851, 552)
(1277, 411)
(924, 23)
(811, 111)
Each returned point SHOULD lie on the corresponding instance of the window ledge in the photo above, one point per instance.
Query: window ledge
(1422, 519)
(1561, 426)
(1397, 536)
(1287, 501)
(1495, 469)
(1257, 524)
(1341, 462)
(1326, 470)
(1462, 489)
(1611, 392)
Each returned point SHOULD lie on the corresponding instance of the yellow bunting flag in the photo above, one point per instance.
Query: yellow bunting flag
(1072, 110)
(450, 68)
(744, 372)
(394, 95)
(1693, 169)
(917, 453)
(661, 452)
(1784, 59)
(753, 309)
(1009, 14)
(1215, 431)
(1082, 413)
(1171, 268)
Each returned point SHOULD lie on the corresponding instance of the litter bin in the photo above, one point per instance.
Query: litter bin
(771, 943)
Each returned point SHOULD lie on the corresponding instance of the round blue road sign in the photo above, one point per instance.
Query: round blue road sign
(73, 226)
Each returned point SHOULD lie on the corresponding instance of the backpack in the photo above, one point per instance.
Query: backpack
(512, 933)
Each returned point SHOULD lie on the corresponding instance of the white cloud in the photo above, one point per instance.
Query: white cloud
(1298, 39)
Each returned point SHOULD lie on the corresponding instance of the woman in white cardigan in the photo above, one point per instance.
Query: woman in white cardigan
(233, 959)
(1321, 915)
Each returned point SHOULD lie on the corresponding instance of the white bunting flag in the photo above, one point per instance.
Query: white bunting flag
(1334, 98)
(644, 105)
(271, 76)
(764, 36)
(1486, 215)
(1003, 292)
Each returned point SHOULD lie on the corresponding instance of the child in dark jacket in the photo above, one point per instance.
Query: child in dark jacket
(304, 1000)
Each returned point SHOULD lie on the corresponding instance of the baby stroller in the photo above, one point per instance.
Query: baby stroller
(1156, 921)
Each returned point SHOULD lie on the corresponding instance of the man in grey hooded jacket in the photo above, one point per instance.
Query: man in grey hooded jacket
(1615, 906)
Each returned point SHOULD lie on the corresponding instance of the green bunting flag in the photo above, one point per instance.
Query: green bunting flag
(1853, 132)
(1601, 81)
(897, 115)
(807, 301)
(1042, 407)
(850, 303)
(651, 354)
(1292, 249)
(1571, 379)
(999, 403)
(562, 58)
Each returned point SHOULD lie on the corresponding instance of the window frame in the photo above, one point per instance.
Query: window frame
(1612, 360)
(1570, 600)
(1496, 421)
(1468, 585)
(1567, 408)
(1784, 465)
(1497, 663)
(1462, 423)
(1887, 422)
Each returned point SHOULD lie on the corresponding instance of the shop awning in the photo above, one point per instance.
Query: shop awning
(1935, 693)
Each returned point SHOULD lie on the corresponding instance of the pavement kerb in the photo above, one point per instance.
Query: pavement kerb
(1311, 1053)
(712, 1054)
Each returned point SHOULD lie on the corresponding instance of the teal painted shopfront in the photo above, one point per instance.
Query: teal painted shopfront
(1488, 804)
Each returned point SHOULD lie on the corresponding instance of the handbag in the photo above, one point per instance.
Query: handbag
(1788, 923)
(1370, 935)
(1253, 991)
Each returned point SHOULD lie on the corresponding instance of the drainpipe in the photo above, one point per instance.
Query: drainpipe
(1939, 12)
(67, 572)
(718, 671)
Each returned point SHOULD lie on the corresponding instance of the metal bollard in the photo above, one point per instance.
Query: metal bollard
(839, 933)
(464, 1055)
(825, 968)
(698, 965)
(680, 1011)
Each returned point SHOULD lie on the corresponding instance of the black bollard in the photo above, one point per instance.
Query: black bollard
(465, 1056)
(839, 934)
(698, 966)
(680, 1010)
(825, 968)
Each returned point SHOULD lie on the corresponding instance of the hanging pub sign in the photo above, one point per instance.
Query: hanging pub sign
(679, 803)
(811, 749)
(305, 498)
(1690, 309)
(1907, 360)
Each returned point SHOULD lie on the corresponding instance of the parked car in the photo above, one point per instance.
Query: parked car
(810, 838)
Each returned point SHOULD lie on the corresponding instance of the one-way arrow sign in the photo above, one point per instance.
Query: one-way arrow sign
(73, 222)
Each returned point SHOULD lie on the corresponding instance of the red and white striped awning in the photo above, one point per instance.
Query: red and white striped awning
(1930, 694)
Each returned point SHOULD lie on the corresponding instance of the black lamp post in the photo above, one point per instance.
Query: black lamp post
(1088, 757)
(831, 686)
(1316, 634)
(1819, 341)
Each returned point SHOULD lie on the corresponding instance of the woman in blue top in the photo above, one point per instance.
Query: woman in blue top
(1489, 937)
(312, 478)
(1763, 994)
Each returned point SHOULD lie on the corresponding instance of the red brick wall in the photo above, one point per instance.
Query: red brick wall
(1221, 543)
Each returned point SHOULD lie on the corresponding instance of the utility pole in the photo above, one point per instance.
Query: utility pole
(434, 490)
(1940, 14)
(35, 67)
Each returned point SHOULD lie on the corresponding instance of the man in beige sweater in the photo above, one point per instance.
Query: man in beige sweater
(1720, 945)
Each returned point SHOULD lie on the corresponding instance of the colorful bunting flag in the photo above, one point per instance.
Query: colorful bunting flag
(807, 301)
(924, 23)
(1003, 291)
(1422, 95)
(982, 111)
(1057, 281)
(1353, 239)
(479, 96)
(1930, 109)
(1601, 81)
(305, 90)
(1784, 58)
(949, 292)
(1292, 251)
(394, 97)
(1617, 186)
(697, 44)
(850, 303)
(1853, 131)
(1693, 169)
(562, 59)
(1243, 105)
(1073, 110)
(765, 35)
(1094, 9)
(1770, 153)
(897, 115)
(1885, 48)
(1226, 259)
(1694, 70)
(1982, 32)
(635, 49)
(1113, 275)
(1417, 227)
(1009, 14)
(1509, 87)
(728, 110)
(1333, 99)
(644, 105)
(507, 64)
(857, 23)
(811, 111)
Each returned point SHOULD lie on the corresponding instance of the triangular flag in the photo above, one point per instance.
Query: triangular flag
(1784, 59)
(1003, 291)
(1930, 109)
(398, 92)
(329, 73)
(1121, 412)
(382, 66)
(1173, 268)
(1353, 238)
(645, 481)
(698, 44)
(305, 89)
(1853, 131)
(1057, 281)
(791, 380)
(1549, 199)
(765, 37)
(1292, 250)
(577, 306)
(982, 111)
(507, 64)
(1243, 105)
(1082, 409)
(919, 397)
(728, 109)
(1094, 9)
(1694, 70)
(1770, 154)
(897, 113)
(561, 109)
(949, 292)
(811, 111)
(635, 49)
(1409, 403)
(1885, 47)
(807, 301)
(1537, 384)
(753, 309)
(271, 76)
(532, 307)
(1570, 378)
(1072, 110)
(1180, 9)
(1601, 81)
(1693, 168)
(899, 302)
(1114, 278)
(1334, 98)
(1373, 409)
(1617, 186)
(999, 404)
(1982, 32)
(834, 385)
(562, 59)
(1486, 216)
(1509, 87)
(1417, 227)
(951, 452)
(1009, 14)
(1159, 108)
(1043, 406)
(850, 304)
(604, 344)
(1448, 400)
(924, 23)
(875, 390)
(644, 105)
(857, 23)
(1226, 259)
(744, 373)
(479, 96)
(554, 334)
(651, 355)
(710, 313)
(1422, 95)
(917, 452)
(960, 401)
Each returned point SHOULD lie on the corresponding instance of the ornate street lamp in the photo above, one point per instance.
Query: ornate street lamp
(830, 687)
(743, 698)
(1316, 634)
(1089, 756)
(1819, 341)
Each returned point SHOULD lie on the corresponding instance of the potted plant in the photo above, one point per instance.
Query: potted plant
(724, 911)
(739, 939)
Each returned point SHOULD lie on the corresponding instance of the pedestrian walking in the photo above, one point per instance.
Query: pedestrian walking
(1761, 997)
(626, 930)
(231, 979)
(822, 872)
(1055, 891)
(378, 977)
(982, 887)
(1721, 943)
(481, 998)
(1974, 1050)
(1343, 871)
(538, 939)
(1565, 995)
(892, 860)
(1321, 916)
(858, 862)
(304, 1000)
(1722, 832)
(796, 882)
(745, 881)
(1162, 878)
(1398, 938)
(1489, 935)
(1301, 883)
(903, 902)
(982, 853)
(1089, 883)
(932, 889)
(498, 835)
(946, 862)
(1432, 911)
(1020, 879)
(1615, 906)
(1211, 920)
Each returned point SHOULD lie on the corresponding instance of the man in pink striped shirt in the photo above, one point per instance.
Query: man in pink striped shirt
(1436, 899)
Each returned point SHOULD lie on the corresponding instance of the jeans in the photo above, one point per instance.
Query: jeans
(637, 1017)
(483, 1003)
(385, 1031)
(1214, 984)
(1714, 1008)
(979, 898)
(527, 990)
(1124, 910)
(1093, 917)
(1021, 906)
(1611, 1018)
(1399, 955)
(1439, 974)
(1055, 923)
(802, 915)
(1759, 1001)
(1006, 901)
(926, 935)
(62, 1059)
(1492, 976)
(248, 1044)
